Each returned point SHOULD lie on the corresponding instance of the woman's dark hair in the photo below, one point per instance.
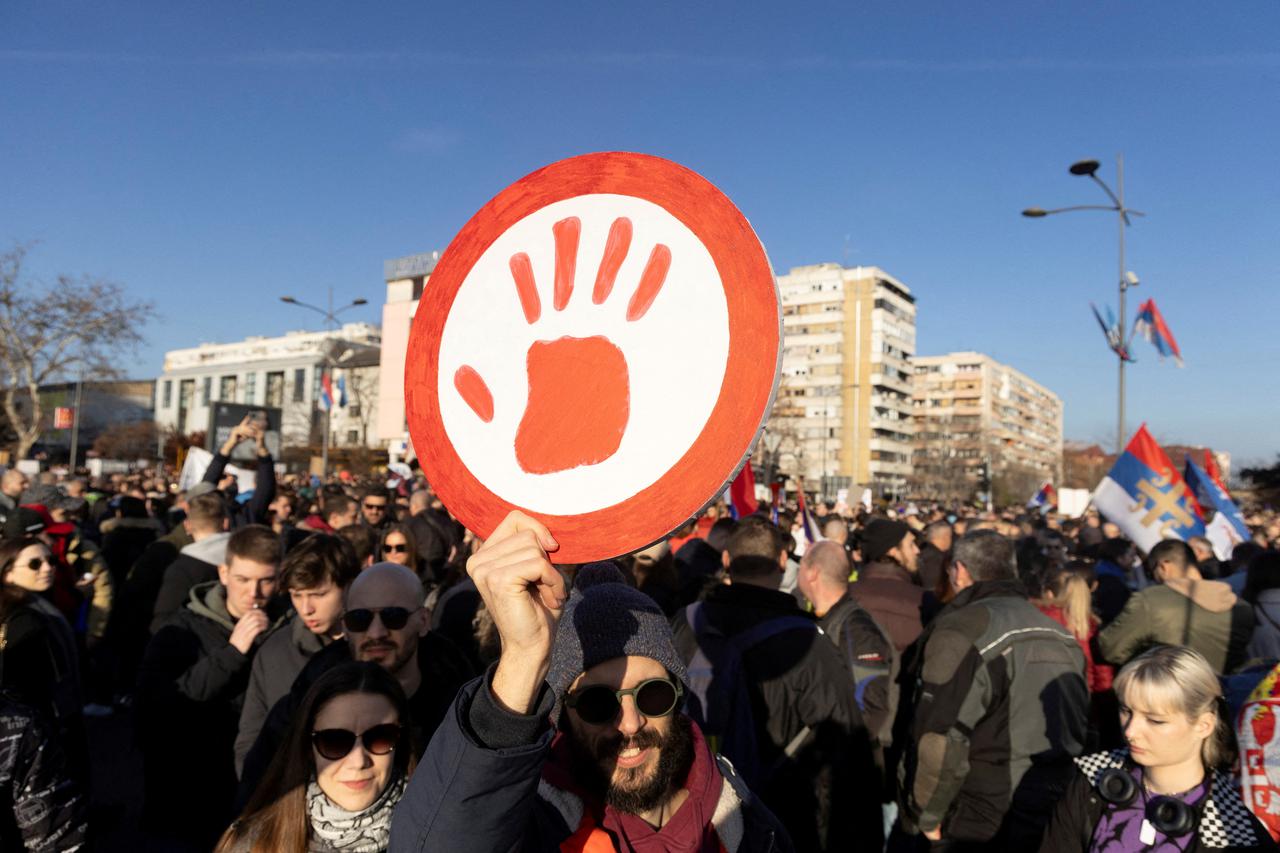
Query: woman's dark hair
(11, 548)
(409, 539)
(1263, 574)
(276, 817)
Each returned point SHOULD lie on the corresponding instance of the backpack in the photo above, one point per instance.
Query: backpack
(719, 701)
(867, 668)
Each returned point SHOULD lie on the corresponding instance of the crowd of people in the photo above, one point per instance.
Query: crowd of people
(339, 665)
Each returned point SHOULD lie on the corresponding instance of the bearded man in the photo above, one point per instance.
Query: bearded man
(575, 739)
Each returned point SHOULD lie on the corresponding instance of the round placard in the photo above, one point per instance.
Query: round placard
(598, 348)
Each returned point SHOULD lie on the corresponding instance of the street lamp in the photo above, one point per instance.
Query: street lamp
(331, 322)
(1089, 169)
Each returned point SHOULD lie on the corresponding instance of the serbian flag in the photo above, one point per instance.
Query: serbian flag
(742, 492)
(1215, 473)
(810, 526)
(1044, 498)
(1150, 324)
(326, 392)
(775, 492)
(1210, 494)
(1111, 329)
(1145, 496)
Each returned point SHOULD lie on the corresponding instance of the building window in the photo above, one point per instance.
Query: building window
(186, 396)
(168, 394)
(300, 385)
(275, 388)
(227, 389)
(206, 388)
(353, 436)
(353, 410)
(250, 387)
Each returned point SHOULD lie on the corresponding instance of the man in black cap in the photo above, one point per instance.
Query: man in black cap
(575, 739)
(888, 584)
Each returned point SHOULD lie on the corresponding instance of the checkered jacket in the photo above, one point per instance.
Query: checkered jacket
(1226, 824)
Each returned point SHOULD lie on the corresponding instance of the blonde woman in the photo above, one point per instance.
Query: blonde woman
(1170, 789)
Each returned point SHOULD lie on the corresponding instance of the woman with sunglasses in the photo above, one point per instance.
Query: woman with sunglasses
(38, 658)
(1171, 789)
(339, 774)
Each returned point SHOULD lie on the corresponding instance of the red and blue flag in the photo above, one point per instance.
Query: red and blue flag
(1146, 497)
(1151, 325)
(1211, 494)
(1044, 498)
(1111, 329)
(742, 493)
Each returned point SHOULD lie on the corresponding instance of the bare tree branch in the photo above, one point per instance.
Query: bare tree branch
(49, 333)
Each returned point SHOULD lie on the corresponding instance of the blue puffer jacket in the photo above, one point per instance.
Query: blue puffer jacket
(468, 796)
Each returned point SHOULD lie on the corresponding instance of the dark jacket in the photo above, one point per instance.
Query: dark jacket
(890, 593)
(444, 670)
(125, 543)
(42, 807)
(39, 666)
(1229, 822)
(1000, 709)
(196, 564)
(433, 546)
(869, 656)
(827, 793)
(130, 626)
(479, 788)
(277, 663)
(191, 687)
(931, 566)
(1205, 615)
(253, 511)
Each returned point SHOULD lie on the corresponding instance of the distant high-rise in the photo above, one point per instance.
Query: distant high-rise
(842, 419)
(971, 409)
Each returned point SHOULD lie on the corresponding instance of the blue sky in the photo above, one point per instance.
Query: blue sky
(215, 156)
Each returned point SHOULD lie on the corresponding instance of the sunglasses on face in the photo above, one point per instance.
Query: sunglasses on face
(33, 564)
(599, 703)
(396, 549)
(359, 620)
(334, 744)
(378, 507)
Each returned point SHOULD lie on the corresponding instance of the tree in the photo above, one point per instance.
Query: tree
(1265, 482)
(135, 440)
(52, 332)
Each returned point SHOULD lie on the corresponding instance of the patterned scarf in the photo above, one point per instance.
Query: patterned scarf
(337, 829)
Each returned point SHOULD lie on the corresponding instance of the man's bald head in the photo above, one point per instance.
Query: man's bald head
(418, 501)
(830, 560)
(385, 585)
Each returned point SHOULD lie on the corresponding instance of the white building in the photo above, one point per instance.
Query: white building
(284, 373)
(843, 412)
(406, 277)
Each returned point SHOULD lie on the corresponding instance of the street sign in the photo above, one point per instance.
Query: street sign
(598, 347)
(63, 417)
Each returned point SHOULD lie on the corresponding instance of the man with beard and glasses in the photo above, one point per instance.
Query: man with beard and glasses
(384, 622)
(576, 738)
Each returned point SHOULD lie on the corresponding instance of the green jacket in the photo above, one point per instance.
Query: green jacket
(1204, 615)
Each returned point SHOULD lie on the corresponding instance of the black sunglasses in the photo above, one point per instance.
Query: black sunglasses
(396, 549)
(33, 564)
(599, 703)
(359, 620)
(334, 744)
(379, 507)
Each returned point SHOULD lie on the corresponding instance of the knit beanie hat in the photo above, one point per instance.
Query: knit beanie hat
(880, 536)
(603, 619)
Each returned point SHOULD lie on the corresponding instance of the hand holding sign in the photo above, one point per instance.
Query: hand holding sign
(524, 594)
(598, 349)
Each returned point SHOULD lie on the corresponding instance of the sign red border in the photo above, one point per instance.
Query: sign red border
(746, 394)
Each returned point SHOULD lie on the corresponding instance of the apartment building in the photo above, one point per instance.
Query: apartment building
(843, 415)
(970, 409)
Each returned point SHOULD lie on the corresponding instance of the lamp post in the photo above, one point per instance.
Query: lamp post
(331, 322)
(1089, 168)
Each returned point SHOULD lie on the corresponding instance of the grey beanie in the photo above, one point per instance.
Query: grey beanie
(603, 619)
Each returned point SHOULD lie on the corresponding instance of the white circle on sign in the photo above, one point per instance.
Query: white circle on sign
(675, 353)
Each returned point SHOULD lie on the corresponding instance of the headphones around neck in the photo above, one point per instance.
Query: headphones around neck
(1169, 815)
